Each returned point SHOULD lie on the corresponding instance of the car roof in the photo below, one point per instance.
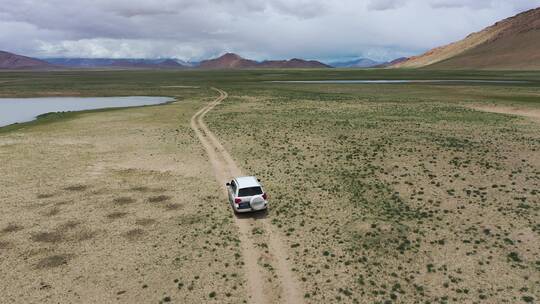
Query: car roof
(247, 181)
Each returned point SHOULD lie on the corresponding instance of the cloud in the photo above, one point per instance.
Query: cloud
(262, 29)
(302, 8)
(382, 5)
(479, 4)
(120, 48)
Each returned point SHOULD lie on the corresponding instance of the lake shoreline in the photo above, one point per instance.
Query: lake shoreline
(51, 117)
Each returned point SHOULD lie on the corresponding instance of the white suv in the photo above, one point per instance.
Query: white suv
(246, 194)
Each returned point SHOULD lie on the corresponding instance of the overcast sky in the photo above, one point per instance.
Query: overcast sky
(271, 29)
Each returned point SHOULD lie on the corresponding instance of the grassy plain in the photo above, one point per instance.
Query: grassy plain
(107, 206)
(396, 193)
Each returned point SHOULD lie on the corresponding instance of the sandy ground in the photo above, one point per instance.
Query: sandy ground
(288, 290)
(118, 206)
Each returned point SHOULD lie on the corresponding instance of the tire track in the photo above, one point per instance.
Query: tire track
(225, 168)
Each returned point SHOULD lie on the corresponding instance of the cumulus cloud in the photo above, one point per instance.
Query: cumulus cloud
(261, 29)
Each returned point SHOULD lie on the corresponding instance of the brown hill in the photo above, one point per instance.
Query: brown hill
(233, 61)
(228, 61)
(10, 61)
(294, 63)
(512, 43)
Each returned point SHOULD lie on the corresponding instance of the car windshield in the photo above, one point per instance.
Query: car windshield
(250, 191)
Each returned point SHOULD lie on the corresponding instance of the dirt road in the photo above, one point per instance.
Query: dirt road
(225, 168)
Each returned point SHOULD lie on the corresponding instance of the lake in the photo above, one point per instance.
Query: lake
(18, 110)
(401, 81)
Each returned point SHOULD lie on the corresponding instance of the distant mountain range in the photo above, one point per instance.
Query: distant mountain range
(513, 43)
(366, 63)
(357, 63)
(234, 61)
(108, 62)
(227, 61)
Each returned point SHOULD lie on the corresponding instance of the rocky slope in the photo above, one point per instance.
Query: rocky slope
(512, 43)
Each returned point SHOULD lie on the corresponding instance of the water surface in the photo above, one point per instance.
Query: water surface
(17, 110)
(402, 81)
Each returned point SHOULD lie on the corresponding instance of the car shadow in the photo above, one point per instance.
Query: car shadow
(257, 215)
